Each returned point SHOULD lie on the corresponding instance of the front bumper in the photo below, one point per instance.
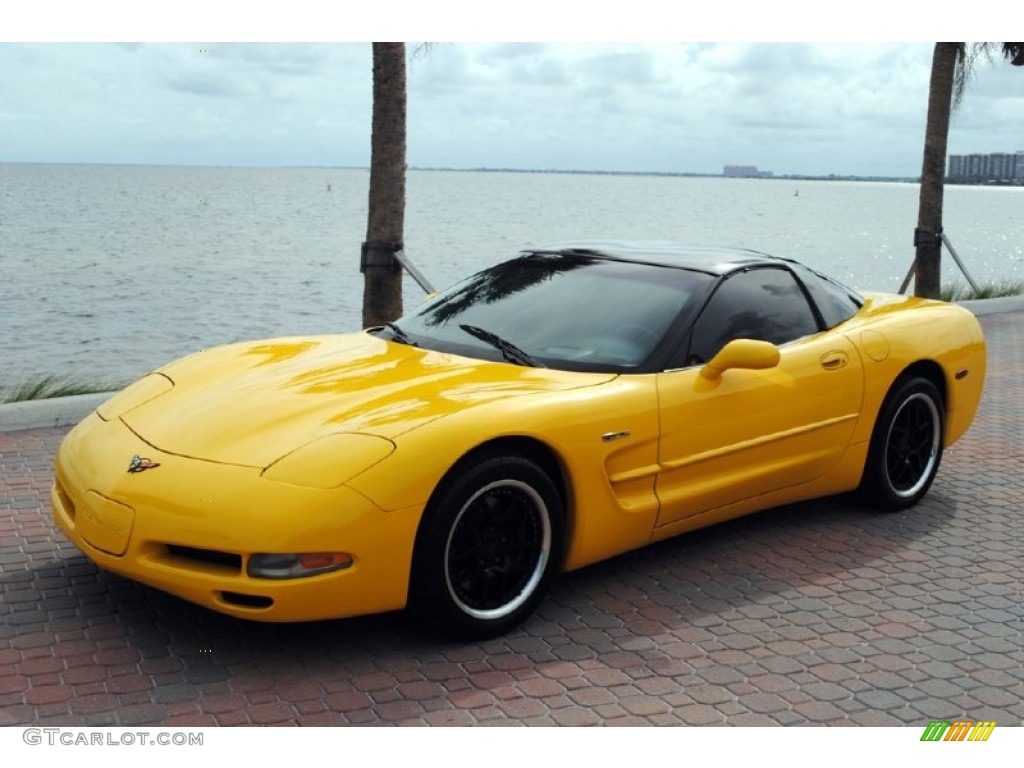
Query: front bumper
(188, 527)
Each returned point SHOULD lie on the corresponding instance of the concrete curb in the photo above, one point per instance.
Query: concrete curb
(983, 307)
(62, 411)
(52, 412)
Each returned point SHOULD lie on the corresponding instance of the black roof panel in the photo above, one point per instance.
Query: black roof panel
(710, 259)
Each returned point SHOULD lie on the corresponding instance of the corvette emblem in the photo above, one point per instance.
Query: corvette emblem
(139, 464)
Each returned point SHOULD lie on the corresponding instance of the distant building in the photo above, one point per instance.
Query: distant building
(744, 172)
(996, 167)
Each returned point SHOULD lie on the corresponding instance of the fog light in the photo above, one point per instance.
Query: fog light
(266, 566)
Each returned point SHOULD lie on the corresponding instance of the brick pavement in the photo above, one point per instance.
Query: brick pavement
(819, 613)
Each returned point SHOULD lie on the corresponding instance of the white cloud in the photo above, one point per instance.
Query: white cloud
(814, 108)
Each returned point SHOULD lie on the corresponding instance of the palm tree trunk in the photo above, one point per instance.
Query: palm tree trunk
(382, 286)
(927, 237)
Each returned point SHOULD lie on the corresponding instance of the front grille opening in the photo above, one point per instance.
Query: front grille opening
(206, 556)
(246, 601)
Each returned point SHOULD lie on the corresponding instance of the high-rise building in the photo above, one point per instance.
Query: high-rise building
(740, 171)
(996, 167)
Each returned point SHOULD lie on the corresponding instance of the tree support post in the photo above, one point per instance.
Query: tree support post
(936, 239)
(382, 281)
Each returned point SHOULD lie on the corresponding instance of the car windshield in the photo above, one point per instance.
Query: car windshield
(561, 310)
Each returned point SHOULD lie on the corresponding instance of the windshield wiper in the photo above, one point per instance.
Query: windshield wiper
(397, 334)
(509, 351)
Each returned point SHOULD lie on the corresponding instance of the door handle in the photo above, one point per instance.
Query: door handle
(832, 361)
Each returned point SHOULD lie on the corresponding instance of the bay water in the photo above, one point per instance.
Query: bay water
(107, 271)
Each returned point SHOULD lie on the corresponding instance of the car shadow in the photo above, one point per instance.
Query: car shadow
(701, 578)
(791, 554)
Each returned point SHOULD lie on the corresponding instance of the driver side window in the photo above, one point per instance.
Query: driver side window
(765, 304)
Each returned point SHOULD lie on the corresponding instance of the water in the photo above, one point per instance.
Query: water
(109, 271)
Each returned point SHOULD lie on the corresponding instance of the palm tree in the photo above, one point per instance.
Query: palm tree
(382, 284)
(952, 64)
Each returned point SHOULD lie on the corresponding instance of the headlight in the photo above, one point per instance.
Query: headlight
(329, 461)
(142, 391)
(265, 566)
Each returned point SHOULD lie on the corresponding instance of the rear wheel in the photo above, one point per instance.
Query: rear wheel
(487, 547)
(906, 446)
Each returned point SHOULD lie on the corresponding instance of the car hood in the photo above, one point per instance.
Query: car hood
(250, 403)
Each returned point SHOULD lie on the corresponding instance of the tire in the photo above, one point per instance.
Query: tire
(489, 542)
(906, 445)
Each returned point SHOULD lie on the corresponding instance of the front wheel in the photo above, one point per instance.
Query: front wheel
(489, 542)
(906, 445)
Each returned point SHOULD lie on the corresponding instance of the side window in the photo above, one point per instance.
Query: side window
(835, 302)
(765, 304)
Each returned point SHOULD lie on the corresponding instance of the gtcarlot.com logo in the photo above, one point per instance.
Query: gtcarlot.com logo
(958, 730)
(72, 737)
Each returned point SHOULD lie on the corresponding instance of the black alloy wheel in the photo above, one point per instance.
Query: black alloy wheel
(488, 544)
(906, 445)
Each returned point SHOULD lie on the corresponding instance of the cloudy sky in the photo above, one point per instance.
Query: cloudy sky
(807, 108)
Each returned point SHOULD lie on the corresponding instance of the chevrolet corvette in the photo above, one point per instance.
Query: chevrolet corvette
(552, 411)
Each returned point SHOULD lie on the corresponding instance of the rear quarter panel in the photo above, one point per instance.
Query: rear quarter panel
(894, 333)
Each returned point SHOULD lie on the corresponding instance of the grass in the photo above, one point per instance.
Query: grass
(45, 387)
(960, 292)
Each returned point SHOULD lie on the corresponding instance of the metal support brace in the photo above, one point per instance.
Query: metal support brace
(910, 274)
(923, 237)
(418, 276)
(392, 256)
(959, 263)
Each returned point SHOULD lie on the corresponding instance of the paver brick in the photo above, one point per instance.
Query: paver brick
(823, 613)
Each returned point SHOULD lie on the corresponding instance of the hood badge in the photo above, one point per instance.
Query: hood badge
(139, 464)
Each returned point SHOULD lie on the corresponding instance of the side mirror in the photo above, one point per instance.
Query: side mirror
(741, 353)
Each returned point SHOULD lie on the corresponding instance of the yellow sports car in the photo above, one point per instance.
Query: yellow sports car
(549, 412)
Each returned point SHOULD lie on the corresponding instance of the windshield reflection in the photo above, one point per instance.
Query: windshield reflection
(565, 310)
(500, 282)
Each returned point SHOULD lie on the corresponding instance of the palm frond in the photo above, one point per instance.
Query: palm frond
(1014, 53)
